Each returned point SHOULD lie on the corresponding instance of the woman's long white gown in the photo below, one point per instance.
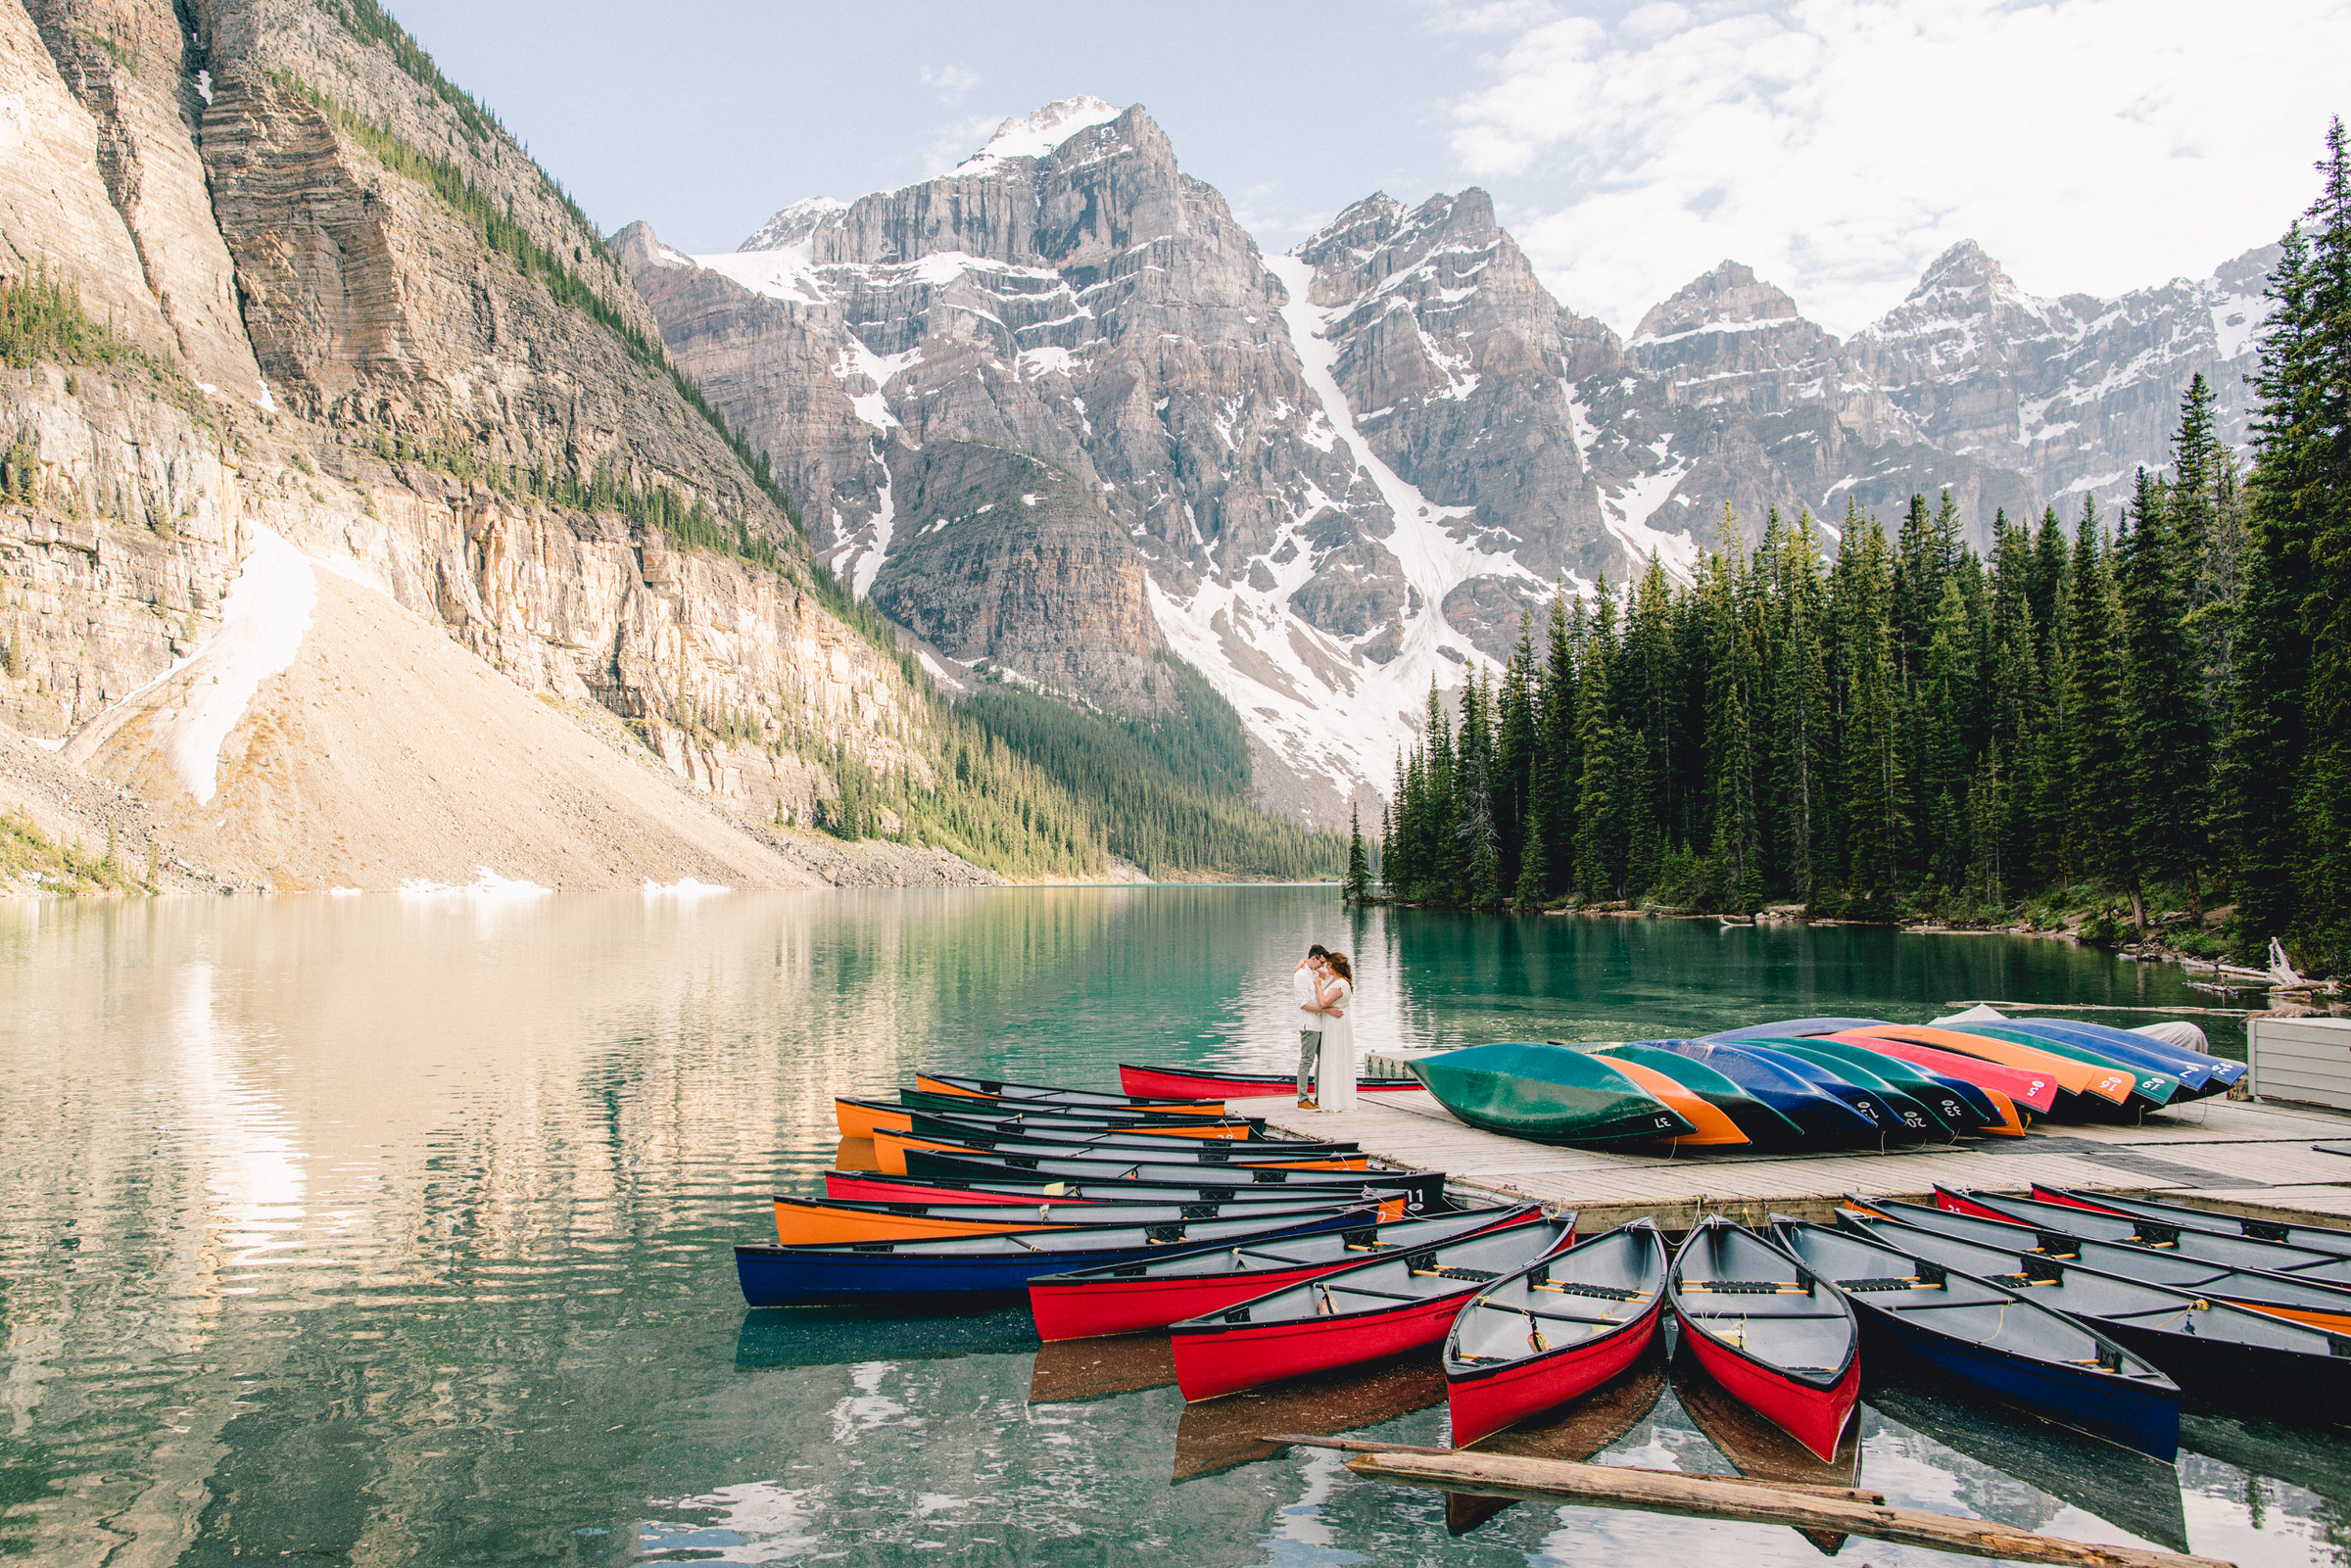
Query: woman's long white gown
(1336, 1081)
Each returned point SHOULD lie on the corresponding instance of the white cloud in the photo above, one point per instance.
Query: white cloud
(1840, 145)
(957, 140)
(952, 83)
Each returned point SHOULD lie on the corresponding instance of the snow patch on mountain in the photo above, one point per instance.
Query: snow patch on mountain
(1035, 135)
(1320, 705)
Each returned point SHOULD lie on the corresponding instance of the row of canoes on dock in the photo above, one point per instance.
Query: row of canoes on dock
(1819, 1083)
(2087, 1309)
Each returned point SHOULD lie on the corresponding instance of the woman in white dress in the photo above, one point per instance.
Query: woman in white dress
(1334, 995)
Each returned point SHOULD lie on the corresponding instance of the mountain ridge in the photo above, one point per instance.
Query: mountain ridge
(1432, 431)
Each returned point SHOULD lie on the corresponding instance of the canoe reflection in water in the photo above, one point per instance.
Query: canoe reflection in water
(838, 1336)
(1758, 1449)
(1073, 1371)
(1220, 1434)
(2116, 1483)
(1575, 1430)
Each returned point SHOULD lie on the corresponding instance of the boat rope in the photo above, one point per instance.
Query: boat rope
(1326, 1308)
(1534, 1336)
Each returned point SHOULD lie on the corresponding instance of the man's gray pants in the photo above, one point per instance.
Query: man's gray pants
(1310, 1063)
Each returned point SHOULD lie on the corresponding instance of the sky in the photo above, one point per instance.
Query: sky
(1836, 146)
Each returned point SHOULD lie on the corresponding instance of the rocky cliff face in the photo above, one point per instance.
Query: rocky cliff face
(345, 373)
(1346, 473)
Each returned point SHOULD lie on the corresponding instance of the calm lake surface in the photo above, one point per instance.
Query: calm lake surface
(390, 1229)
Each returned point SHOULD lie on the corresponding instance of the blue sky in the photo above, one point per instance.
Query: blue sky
(1835, 145)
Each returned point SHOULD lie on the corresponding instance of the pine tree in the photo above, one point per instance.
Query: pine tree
(2163, 699)
(1530, 892)
(1357, 890)
(2100, 806)
(1876, 827)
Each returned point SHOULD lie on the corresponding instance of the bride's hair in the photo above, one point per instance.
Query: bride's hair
(1340, 967)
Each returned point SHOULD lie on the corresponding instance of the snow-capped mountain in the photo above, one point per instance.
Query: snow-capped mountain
(1057, 415)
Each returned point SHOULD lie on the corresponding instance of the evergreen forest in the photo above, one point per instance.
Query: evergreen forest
(2146, 715)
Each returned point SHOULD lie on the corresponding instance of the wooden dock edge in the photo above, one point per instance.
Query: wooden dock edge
(1601, 1485)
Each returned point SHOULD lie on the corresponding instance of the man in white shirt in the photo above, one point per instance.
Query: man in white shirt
(1306, 983)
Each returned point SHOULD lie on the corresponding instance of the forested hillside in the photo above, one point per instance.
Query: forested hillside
(2153, 708)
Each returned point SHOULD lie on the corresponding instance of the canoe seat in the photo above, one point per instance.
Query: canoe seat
(1745, 1287)
(1607, 1293)
(1475, 1275)
(1891, 1282)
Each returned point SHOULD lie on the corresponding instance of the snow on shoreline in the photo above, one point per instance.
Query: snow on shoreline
(485, 884)
(263, 622)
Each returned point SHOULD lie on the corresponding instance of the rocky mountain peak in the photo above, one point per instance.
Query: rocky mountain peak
(1729, 296)
(1037, 136)
(793, 223)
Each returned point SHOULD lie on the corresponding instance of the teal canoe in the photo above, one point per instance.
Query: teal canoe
(1548, 1093)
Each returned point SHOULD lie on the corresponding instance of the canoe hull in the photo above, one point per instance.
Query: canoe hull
(803, 1276)
(1548, 1094)
(867, 1186)
(1067, 1308)
(1177, 1083)
(1812, 1414)
(1232, 1356)
(1480, 1406)
(2099, 1403)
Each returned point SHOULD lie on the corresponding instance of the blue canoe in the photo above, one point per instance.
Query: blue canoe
(964, 1265)
(1883, 1116)
(1915, 1116)
(2203, 1074)
(1993, 1339)
(1824, 1118)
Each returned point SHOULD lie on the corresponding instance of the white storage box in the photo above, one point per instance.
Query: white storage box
(2304, 1060)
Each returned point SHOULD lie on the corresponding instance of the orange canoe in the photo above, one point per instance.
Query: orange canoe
(1713, 1125)
(2074, 1078)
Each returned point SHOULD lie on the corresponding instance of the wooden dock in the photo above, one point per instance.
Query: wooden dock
(2238, 1155)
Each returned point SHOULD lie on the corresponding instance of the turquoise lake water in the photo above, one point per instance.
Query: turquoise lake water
(382, 1229)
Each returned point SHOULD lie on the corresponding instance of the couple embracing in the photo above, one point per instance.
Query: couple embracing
(1324, 983)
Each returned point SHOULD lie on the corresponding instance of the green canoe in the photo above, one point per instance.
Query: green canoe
(1548, 1093)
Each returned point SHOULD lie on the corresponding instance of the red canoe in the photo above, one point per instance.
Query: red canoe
(1377, 1309)
(1768, 1332)
(1555, 1331)
(1184, 1083)
(2038, 1090)
(1130, 1297)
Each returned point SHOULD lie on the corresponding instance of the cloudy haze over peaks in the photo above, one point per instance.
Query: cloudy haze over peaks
(1838, 146)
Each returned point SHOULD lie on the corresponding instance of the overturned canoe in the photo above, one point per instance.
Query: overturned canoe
(1992, 1338)
(2034, 1091)
(1548, 1093)
(1767, 1330)
(1381, 1307)
(1129, 1297)
(1764, 1127)
(1554, 1330)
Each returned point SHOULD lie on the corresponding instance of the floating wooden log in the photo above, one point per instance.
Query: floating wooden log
(1361, 1446)
(1601, 1485)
